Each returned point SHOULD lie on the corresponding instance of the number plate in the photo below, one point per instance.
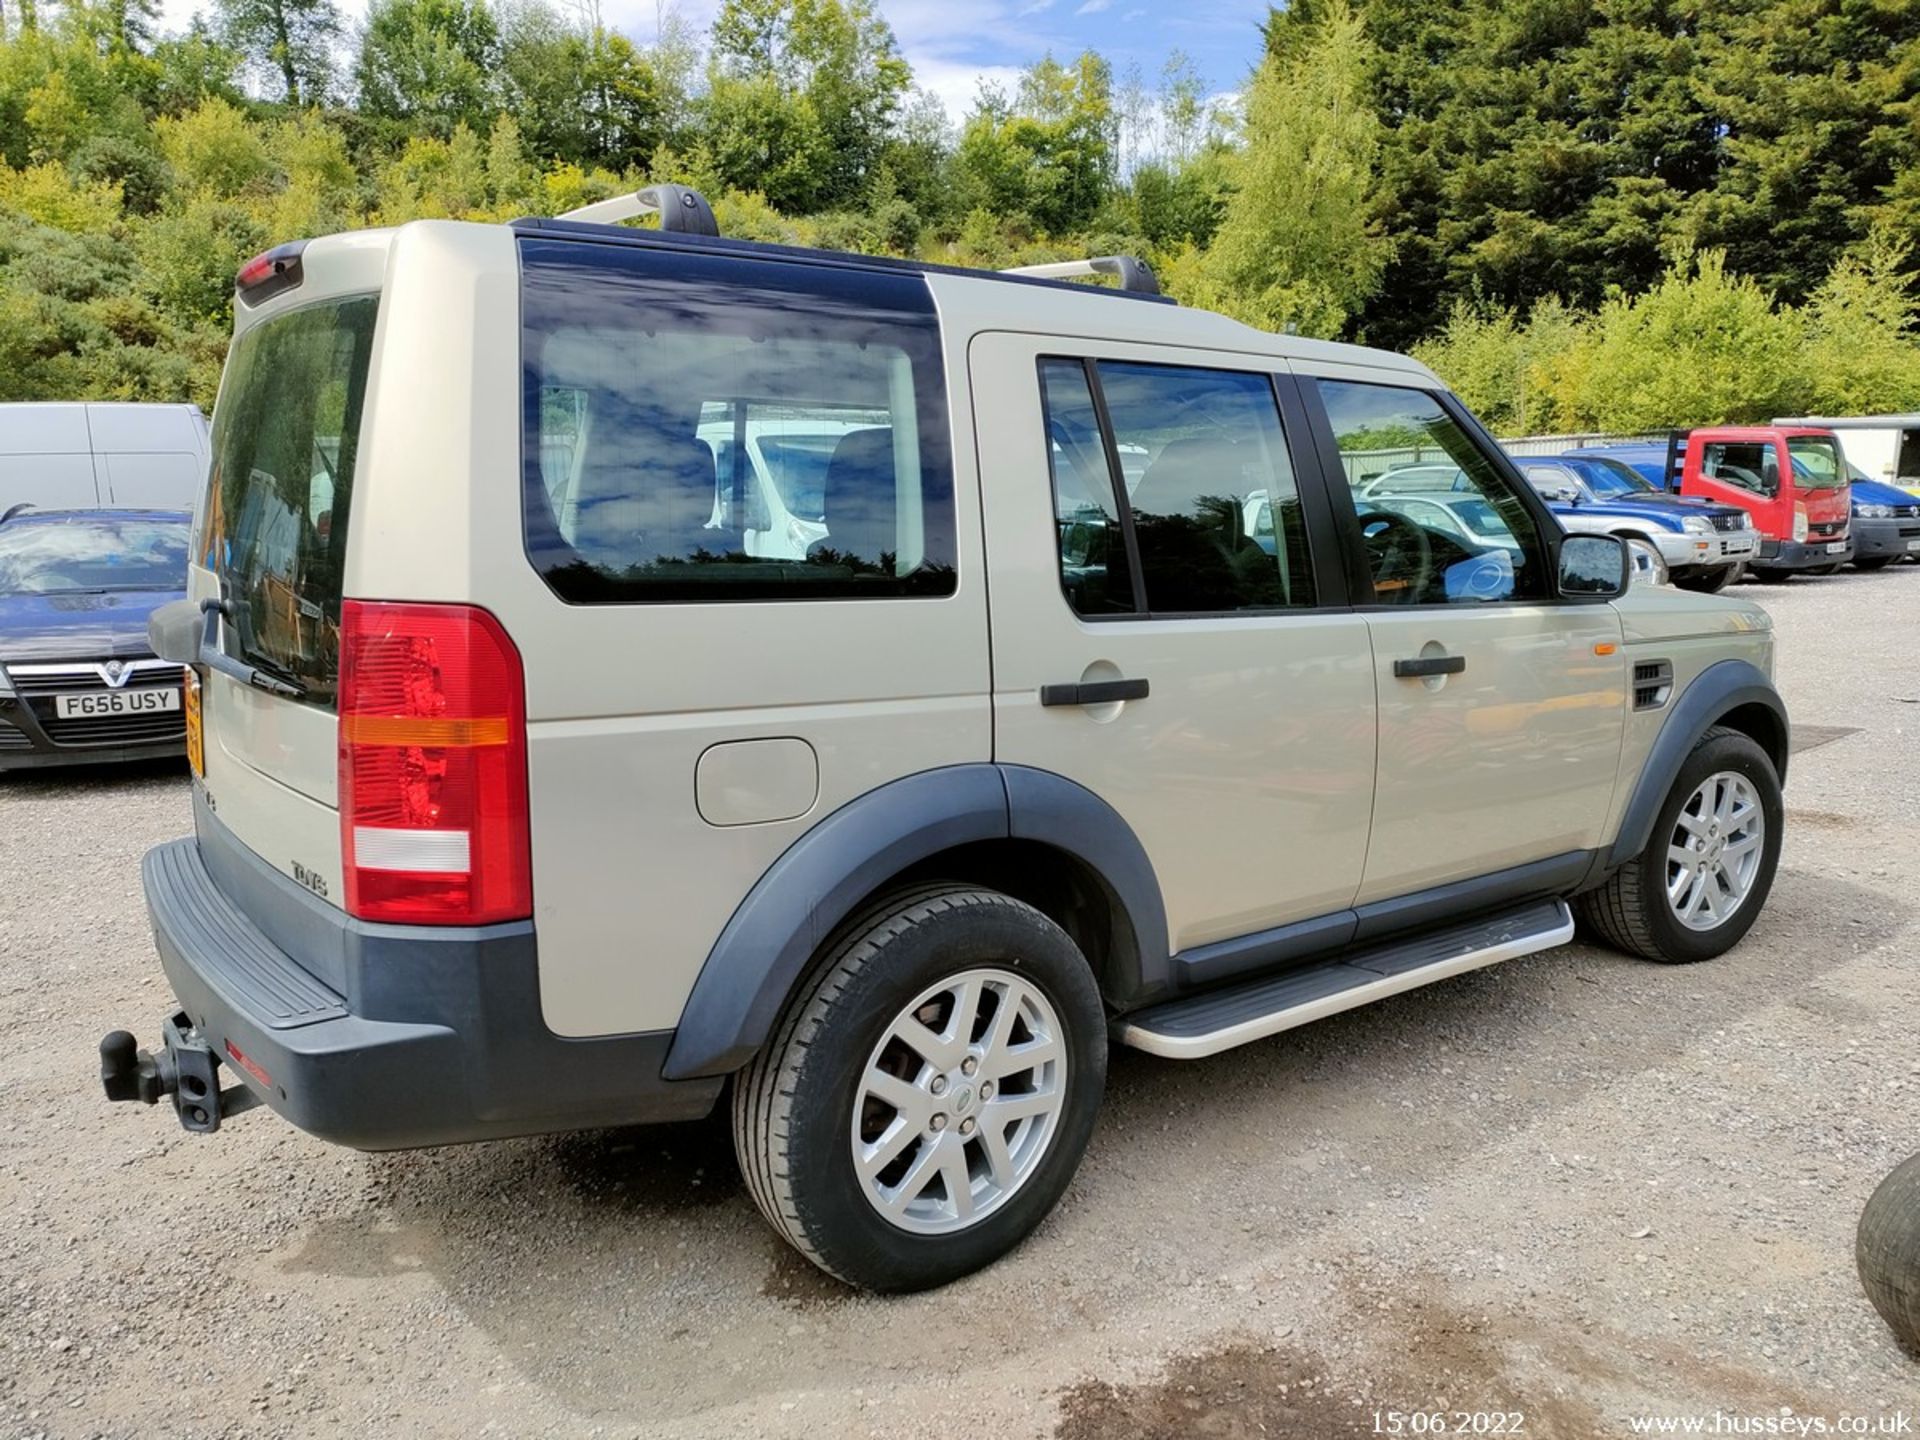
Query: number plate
(196, 755)
(1913, 544)
(115, 702)
(1836, 547)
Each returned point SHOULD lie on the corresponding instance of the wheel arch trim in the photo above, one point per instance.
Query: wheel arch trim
(769, 942)
(1716, 692)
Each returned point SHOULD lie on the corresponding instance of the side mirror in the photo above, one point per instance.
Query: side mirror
(174, 630)
(1594, 566)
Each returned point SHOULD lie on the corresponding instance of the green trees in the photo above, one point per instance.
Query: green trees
(800, 97)
(1505, 186)
(1701, 346)
(1043, 157)
(579, 93)
(430, 64)
(292, 41)
(1567, 146)
(1296, 248)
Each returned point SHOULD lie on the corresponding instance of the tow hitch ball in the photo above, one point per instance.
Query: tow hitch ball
(186, 1068)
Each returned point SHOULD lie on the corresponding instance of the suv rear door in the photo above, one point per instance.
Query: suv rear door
(1150, 535)
(1502, 707)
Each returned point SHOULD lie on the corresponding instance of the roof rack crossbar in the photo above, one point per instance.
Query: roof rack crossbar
(680, 209)
(1133, 273)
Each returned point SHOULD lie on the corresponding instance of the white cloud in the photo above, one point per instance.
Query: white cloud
(957, 82)
(1093, 7)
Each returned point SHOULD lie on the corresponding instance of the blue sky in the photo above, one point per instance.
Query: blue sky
(953, 44)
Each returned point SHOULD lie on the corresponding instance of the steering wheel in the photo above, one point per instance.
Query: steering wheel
(1401, 554)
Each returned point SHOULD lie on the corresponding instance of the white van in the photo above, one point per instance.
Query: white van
(73, 455)
(1882, 447)
(532, 794)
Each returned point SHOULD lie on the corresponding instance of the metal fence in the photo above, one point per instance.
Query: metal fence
(1554, 444)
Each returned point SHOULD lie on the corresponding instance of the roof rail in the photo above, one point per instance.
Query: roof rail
(1133, 273)
(14, 510)
(681, 210)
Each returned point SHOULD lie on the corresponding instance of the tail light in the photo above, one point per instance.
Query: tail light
(433, 766)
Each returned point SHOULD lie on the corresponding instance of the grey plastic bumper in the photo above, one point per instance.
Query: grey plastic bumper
(435, 1037)
(1793, 555)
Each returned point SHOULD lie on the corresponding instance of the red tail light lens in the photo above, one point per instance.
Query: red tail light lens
(433, 766)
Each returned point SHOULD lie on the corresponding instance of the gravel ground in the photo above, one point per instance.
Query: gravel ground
(1576, 1186)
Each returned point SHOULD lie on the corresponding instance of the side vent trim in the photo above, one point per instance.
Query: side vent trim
(1652, 684)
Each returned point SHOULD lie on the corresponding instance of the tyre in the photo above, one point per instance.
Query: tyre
(1697, 888)
(1875, 562)
(1887, 1251)
(1711, 583)
(928, 1093)
(1833, 569)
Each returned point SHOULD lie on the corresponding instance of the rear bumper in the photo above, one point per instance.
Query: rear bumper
(1795, 555)
(1875, 538)
(428, 1036)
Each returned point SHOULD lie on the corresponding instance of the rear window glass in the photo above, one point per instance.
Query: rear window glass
(706, 428)
(93, 555)
(284, 438)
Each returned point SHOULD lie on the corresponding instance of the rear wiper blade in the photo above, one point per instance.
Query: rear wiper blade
(271, 679)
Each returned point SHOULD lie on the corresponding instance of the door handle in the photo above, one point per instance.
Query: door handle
(1096, 692)
(1427, 665)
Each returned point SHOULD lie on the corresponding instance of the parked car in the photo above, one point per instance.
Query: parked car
(1789, 479)
(1701, 547)
(508, 822)
(1886, 524)
(1885, 447)
(61, 454)
(79, 682)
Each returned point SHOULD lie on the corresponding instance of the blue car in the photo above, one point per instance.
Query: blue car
(1886, 523)
(1646, 462)
(1702, 545)
(78, 681)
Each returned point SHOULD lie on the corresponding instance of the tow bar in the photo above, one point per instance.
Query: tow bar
(186, 1068)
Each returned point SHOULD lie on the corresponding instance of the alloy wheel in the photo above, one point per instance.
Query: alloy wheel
(1715, 850)
(959, 1101)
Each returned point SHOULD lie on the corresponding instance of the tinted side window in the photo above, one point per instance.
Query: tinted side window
(1441, 525)
(1094, 569)
(1216, 514)
(707, 428)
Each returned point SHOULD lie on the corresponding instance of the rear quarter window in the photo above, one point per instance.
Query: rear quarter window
(706, 428)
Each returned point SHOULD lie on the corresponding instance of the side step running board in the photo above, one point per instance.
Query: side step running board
(1216, 1020)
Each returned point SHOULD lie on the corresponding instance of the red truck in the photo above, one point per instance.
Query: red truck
(1791, 479)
